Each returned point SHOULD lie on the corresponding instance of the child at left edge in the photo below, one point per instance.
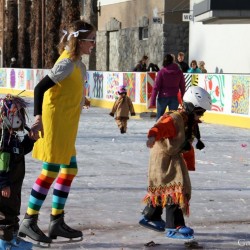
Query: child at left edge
(13, 147)
(121, 108)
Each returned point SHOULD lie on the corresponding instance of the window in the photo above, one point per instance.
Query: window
(143, 33)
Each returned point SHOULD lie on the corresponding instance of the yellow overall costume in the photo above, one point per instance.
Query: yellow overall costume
(61, 113)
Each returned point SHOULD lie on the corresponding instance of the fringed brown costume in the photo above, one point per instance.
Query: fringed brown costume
(171, 157)
(169, 181)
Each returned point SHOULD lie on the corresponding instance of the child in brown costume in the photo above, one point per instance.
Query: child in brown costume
(169, 184)
(121, 108)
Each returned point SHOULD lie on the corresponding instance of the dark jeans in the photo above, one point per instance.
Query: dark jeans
(163, 102)
(174, 215)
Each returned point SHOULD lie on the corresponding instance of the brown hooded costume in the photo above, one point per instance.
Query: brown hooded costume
(121, 108)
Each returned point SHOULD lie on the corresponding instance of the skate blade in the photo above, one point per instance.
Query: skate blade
(41, 244)
(36, 243)
(149, 226)
(67, 240)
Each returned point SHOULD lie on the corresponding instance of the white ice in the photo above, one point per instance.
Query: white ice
(105, 198)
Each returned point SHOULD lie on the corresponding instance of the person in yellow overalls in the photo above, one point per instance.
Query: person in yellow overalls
(58, 100)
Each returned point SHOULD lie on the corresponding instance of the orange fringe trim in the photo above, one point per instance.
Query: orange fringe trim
(163, 195)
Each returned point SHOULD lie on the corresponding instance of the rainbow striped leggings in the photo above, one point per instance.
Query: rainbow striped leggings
(61, 190)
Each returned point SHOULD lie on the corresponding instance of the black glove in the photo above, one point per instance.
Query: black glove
(200, 145)
(111, 114)
(132, 114)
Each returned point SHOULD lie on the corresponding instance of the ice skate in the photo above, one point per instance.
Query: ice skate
(18, 240)
(30, 228)
(180, 233)
(156, 225)
(123, 131)
(58, 227)
(15, 245)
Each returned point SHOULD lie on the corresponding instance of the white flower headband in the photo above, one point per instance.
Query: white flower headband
(75, 34)
(65, 32)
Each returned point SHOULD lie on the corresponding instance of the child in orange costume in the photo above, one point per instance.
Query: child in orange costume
(169, 183)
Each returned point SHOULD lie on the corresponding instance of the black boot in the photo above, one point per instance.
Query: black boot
(58, 227)
(30, 228)
(123, 131)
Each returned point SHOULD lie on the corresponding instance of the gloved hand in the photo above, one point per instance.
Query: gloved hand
(132, 114)
(36, 127)
(111, 114)
(200, 145)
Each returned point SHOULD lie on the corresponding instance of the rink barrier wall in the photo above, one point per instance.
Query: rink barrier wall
(230, 93)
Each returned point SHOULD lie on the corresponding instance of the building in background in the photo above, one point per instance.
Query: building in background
(129, 29)
(216, 32)
(219, 35)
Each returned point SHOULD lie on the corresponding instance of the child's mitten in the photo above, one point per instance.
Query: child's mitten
(132, 114)
(200, 145)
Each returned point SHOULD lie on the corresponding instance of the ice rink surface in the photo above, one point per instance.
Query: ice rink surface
(105, 198)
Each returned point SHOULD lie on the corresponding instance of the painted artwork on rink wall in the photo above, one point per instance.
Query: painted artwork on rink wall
(230, 93)
(143, 83)
(215, 86)
(240, 95)
(21, 79)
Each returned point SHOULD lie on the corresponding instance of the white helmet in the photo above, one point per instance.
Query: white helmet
(198, 97)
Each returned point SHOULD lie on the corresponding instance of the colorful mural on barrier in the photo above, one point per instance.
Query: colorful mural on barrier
(3, 78)
(98, 85)
(215, 86)
(230, 93)
(129, 82)
(112, 85)
(191, 80)
(39, 75)
(20, 79)
(12, 78)
(150, 83)
(240, 95)
(143, 82)
(86, 90)
(29, 79)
